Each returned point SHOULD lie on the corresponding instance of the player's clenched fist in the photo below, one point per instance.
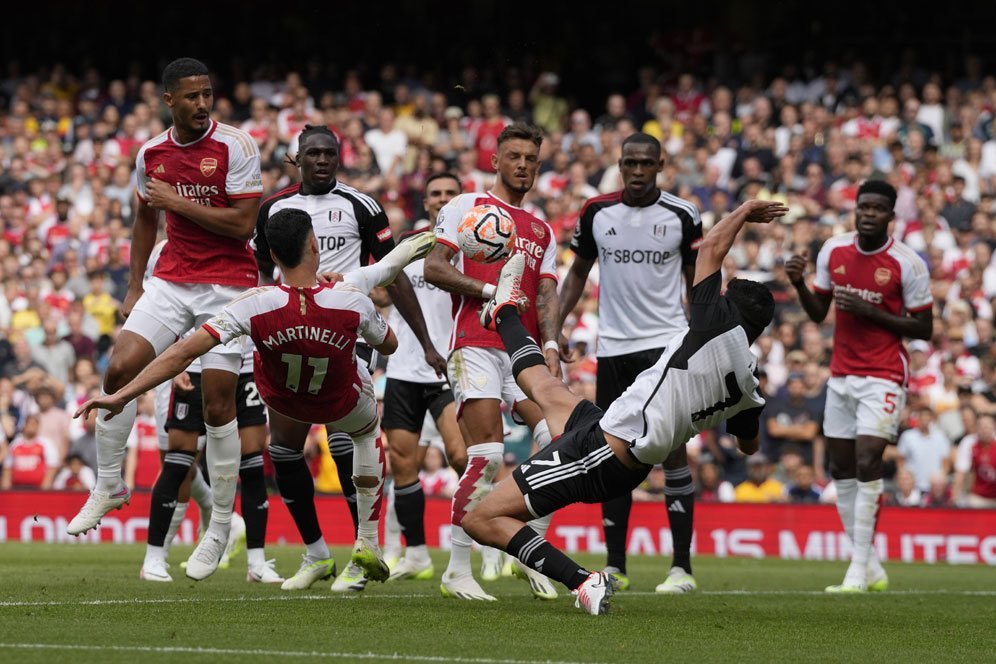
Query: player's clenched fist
(795, 267)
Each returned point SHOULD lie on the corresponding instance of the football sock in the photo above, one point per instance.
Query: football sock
(200, 493)
(255, 505)
(541, 436)
(535, 552)
(409, 504)
(866, 505)
(679, 492)
(174, 524)
(112, 439)
(615, 523)
(176, 465)
(153, 552)
(255, 556)
(368, 461)
(483, 461)
(223, 451)
(318, 550)
(392, 528)
(522, 349)
(341, 449)
(297, 490)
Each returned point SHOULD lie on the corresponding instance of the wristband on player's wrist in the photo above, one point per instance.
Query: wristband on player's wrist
(551, 345)
(488, 291)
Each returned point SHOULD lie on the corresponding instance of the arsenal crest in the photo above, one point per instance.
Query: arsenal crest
(539, 230)
(208, 166)
(882, 276)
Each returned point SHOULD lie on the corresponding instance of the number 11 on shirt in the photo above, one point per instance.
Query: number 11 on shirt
(294, 362)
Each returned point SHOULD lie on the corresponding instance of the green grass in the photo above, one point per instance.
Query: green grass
(65, 595)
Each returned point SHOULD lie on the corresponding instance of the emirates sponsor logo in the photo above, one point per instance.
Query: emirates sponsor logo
(882, 276)
(208, 166)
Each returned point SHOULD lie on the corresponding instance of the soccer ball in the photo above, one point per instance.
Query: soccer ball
(486, 234)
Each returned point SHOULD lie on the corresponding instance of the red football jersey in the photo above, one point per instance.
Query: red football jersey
(305, 360)
(893, 278)
(219, 167)
(533, 237)
(984, 467)
(29, 460)
(145, 439)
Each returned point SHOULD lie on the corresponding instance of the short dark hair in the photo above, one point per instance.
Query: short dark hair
(880, 187)
(182, 68)
(639, 138)
(443, 175)
(521, 130)
(316, 130)
(754, 302)
(286, 233)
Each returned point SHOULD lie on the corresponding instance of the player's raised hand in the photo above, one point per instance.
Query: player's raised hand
(161, 195)
(763, 212)
(329, 277)
(107, 402)
(795, 267)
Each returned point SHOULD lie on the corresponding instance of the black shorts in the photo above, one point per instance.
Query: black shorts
(186, 409)
(578, 467)
(406, 403)
(366, 356)
(616, 374)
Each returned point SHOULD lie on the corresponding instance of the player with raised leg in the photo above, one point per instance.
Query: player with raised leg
(706, 375)
(205, 176)
(881, 288)
(305, 334)
(479, 371)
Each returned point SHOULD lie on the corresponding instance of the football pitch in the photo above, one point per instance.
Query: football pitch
(66, 603)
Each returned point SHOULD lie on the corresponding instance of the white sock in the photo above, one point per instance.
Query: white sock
(224, 454)
(392, 529)
(200, 493)
(541, 434)
(865, 516)
(256, 557)
(491, 555)
(541, 525)
(174, 524)
(483, 461)
(367, 463)
(419, 554)
(318, 550)
(112, 441)
(154, 553)
(847, 491)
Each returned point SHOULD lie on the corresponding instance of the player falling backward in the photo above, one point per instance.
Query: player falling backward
(205, 177)
(706, 375)
(305, 334)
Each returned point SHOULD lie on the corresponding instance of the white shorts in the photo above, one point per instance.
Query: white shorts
(364, 418)
(862, 406)
(168, 309)
(482, 373)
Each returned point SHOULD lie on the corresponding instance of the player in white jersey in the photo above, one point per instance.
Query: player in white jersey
(644, 241)
(351, 228)
(305, 334)
(414, 388)
(706, 375)
(205, 177)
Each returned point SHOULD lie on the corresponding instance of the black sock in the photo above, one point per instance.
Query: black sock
(341, 449)
(176, 465)
(679, 495)
(409, 504)
(255, 503)
(522, 349)
(615, 524)
(535, 552)
(297, 489)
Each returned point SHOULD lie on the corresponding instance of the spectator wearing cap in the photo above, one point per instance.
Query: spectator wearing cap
(452, 139)
(923, 375)
(759, 487)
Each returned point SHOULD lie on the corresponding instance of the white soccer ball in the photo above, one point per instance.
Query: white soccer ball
(486, 234)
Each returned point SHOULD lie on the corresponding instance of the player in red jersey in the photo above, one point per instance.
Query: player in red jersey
(305, 334)
(479, 370)
(882, 292)
(205, 177)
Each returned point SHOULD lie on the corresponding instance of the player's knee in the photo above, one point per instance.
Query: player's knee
(474, 524)
(120, 370)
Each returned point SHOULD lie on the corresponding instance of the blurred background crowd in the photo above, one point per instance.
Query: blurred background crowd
(803, 134)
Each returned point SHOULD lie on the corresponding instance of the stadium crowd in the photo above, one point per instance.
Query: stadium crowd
(67, 146)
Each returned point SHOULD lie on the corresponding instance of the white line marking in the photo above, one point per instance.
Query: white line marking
(353, 598)
(396, 656)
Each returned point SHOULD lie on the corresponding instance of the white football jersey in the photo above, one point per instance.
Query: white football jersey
(408, 362)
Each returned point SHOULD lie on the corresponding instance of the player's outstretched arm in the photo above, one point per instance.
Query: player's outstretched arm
(237, 221)
(388, 345)
(403, 296)
(176, 359)
(718, 241)
(439, 272)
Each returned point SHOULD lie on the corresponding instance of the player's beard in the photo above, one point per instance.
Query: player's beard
(516, 186)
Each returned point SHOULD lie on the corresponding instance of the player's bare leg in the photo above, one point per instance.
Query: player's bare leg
(453, 441)
(856, 466)
(131, 353)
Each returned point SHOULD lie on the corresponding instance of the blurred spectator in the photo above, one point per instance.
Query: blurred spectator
(802, 488)
(711, 488)
(939, 494)
(31, 461)
(75, 475)
(652, 488)
(100, 304)
(923, 449)
(437, 478)
(759, 487)
(54, 355)
(791, 420)
(905, 493)
(53, 422)
(976, 456)
(142, 460)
